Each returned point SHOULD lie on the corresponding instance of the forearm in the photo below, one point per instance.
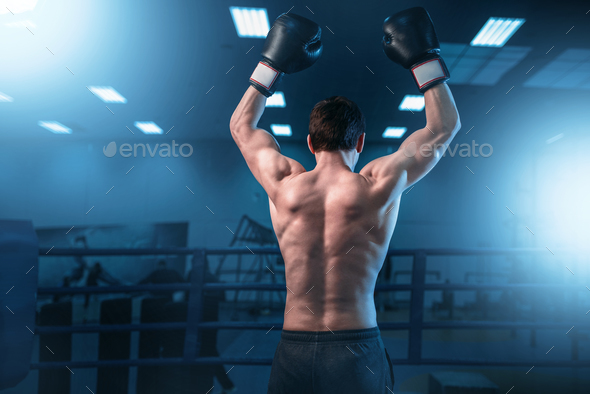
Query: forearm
(442, 116)
(249, 110)
(292, 45)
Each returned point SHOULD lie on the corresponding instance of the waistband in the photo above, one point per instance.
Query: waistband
(331, 336)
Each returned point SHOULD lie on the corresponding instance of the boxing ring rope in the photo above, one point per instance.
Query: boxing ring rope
(415, 325)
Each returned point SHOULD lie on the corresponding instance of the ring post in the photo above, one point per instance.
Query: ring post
(417, 308)
(195, 306)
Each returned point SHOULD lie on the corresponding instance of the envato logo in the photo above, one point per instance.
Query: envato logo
(164, 150)
(465, 150)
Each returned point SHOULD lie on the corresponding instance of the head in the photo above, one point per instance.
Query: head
(336, 124)
(161, 264)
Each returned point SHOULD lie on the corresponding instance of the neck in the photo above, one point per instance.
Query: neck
(336, 159)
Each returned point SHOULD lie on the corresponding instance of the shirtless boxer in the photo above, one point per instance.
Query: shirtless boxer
(334, 225)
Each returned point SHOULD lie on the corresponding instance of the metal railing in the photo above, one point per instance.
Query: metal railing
(415, 325)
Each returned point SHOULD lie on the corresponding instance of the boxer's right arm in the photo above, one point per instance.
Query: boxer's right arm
(410, 40)
(420, 152)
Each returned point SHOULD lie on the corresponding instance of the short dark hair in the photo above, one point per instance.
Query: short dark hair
(335, 123)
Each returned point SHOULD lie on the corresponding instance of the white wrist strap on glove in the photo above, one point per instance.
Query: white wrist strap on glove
(264, 75)
(428, 71)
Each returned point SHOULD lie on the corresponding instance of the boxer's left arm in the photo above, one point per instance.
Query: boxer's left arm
(259, 148)
(292, 45)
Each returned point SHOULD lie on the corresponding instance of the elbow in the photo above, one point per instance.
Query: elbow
(452, 125)
(238, 128)
(449, 127)
(233, 125)
(238, 133)
(457, 125)
(235, 130)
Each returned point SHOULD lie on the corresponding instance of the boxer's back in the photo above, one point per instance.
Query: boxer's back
(333, 228)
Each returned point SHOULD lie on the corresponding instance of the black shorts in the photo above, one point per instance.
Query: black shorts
(350, 361)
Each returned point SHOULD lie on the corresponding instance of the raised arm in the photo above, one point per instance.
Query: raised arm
(410, 40)
(259, 148)
(293, 44)
(420, 152)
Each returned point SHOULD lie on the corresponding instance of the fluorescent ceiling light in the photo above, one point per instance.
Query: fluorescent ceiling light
(148, 127)
(412, 103)
(5, 98)
(496, 32)
(16, 6)
(276, 100)
(281, 129)
(394, 132)
(54, 127)
(107, 94)
(250, 22)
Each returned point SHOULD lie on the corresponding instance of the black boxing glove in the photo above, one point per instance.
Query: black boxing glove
(292, 45)
(409, 40)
